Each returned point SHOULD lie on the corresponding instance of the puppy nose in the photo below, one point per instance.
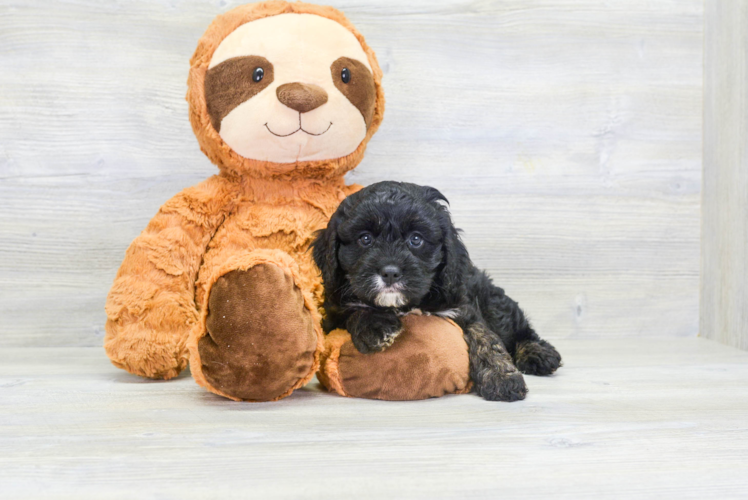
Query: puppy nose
(301, 97)
(391, 275)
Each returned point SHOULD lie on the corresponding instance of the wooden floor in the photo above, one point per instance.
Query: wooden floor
(628, 418)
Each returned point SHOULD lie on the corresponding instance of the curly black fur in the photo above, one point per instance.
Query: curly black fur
(392, 248)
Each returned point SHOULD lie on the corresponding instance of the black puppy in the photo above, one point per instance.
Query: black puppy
(391, 248)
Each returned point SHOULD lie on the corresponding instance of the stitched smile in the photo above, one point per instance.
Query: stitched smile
(297, 130)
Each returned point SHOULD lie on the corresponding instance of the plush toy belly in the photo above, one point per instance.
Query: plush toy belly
(428, 359)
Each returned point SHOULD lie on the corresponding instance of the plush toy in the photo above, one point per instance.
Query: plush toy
(283, 98)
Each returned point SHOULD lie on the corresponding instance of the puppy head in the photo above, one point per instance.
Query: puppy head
(388, 245)
(279, 88)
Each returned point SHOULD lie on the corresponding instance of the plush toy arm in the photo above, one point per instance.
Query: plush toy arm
(151, 306)
(428, 359)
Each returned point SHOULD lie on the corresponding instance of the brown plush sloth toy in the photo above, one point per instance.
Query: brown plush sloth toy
(283, 98)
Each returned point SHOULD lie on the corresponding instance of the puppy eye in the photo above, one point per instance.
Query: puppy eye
(258, 74)
(345, 75)
(365, 239)
(415, 241)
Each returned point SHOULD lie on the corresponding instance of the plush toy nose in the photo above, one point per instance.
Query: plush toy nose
(391, 275)
(302, 97)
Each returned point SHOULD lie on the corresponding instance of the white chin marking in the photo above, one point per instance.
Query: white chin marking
(390, 299)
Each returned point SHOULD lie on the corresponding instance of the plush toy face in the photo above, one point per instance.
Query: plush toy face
(290, 88)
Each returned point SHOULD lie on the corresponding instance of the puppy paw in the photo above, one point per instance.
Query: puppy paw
(375, 332)
(537, 358)
(496, 386)
(500, 381)
(376, 338)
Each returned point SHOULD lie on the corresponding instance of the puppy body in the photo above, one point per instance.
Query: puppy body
(391, 248)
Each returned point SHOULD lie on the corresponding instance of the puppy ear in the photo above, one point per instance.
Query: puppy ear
(455, 258)
(325, 252)
(433, 195)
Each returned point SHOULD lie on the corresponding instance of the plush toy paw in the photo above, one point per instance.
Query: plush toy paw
(429, 358)
(260, 341)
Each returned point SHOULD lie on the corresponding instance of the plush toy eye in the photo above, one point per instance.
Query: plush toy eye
(415, 241)
(345, 75)
(365, 239)
(258, 74)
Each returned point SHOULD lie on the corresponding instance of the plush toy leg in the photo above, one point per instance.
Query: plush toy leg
(260, 335)
(428, 359)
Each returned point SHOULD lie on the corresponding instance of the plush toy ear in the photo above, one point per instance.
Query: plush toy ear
(325, 253)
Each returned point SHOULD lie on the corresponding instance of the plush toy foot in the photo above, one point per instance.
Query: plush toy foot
(137, 352)
(260, 341)
(428, 359)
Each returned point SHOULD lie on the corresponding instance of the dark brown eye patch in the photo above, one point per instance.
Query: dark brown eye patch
(356, 83)
(233, 82)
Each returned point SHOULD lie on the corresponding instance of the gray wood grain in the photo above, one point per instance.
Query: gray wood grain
(566, 134)
(724, 258)
(624, 418)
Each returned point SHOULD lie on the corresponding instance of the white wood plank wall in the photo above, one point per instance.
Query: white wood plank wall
(566, 133)
(724, 299)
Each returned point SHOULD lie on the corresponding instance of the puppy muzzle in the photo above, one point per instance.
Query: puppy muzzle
(388, 296)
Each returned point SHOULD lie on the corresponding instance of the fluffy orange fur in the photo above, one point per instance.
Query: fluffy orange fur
(329, 373)
(251, 212)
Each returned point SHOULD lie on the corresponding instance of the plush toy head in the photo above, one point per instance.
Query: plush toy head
(280, 89)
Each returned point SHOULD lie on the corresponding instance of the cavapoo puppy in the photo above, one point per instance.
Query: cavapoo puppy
(391, 248)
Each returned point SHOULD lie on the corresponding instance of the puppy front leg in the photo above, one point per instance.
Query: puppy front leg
(491, 368)
(373, 330)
